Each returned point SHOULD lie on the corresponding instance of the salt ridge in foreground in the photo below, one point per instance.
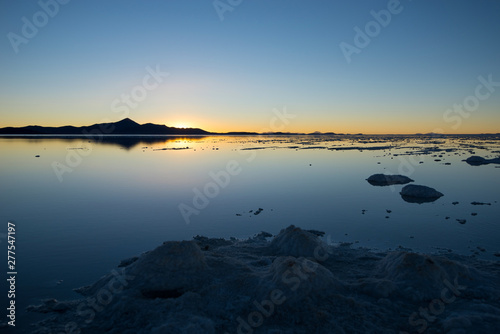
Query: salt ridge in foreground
(293, 283)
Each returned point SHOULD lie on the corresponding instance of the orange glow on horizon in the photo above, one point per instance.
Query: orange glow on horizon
(300, 124)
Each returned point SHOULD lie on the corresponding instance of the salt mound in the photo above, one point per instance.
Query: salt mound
(294, 241)
(419, 194)
(304, 277)
(282, 286)
(386, 180)
(168, 270)
(421, 277)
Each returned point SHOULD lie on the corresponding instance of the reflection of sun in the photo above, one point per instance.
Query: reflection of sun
(181, 125)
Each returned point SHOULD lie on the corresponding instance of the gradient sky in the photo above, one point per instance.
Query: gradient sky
(229, 75)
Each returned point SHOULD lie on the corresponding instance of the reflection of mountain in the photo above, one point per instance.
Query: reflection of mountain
(129, 142)
(126, 142)
(124, 127)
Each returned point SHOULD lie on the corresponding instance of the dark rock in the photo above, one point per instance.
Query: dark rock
(477, 161)
(413, 193)
(386, 180)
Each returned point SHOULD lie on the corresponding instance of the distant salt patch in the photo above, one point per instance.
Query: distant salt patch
(172, 148)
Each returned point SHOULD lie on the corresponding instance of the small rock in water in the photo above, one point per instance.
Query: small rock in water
(388, 211)
(37, 156)
(454, 203)
(474, 214)
(386, 180)
(480, 203)
(462, 221)
(477, 161)
(413, 193)
(258, 211)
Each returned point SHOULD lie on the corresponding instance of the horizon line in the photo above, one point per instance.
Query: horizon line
(355, 133)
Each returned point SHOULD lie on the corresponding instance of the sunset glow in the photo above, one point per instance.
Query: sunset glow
(181, 64)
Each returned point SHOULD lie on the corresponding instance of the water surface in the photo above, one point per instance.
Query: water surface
(83, 205)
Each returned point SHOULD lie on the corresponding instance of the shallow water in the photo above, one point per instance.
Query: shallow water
(82, 206)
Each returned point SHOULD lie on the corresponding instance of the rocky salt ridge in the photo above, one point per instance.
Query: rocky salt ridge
(292, 283)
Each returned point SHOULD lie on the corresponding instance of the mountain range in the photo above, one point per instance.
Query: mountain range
(124, 127)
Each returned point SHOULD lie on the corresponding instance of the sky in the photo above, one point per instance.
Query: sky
(253, 65)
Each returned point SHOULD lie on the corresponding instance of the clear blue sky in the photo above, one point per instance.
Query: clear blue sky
(230, 74)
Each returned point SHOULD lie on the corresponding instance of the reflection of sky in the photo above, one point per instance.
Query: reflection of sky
(229, 75)
(117, 203)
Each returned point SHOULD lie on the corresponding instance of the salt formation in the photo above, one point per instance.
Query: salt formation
(294, 283)
(477, 161)
(294, 241)
(386, 180)
(419, 194)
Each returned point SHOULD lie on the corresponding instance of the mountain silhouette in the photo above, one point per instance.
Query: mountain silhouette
(124, 127)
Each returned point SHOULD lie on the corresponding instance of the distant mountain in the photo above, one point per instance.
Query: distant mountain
(318, 133)
(124, 127)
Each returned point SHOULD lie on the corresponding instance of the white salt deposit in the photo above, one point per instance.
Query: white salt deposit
(294, 283)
